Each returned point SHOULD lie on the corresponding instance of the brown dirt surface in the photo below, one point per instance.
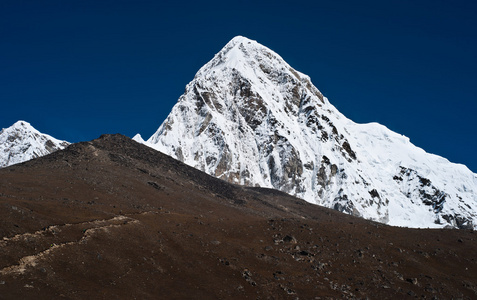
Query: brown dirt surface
(114, 219)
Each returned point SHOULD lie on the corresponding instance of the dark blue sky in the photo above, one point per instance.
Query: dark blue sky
(78, 69)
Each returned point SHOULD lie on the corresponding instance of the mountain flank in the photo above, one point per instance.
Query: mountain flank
(114, 219)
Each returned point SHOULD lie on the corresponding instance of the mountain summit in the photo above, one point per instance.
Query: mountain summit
(249, 118)
(21, 142)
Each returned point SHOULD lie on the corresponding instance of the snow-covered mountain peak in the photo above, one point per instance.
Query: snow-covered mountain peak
(239, 48)
(23, 125)
(21, 142)
(255, 62)
(240, 39)
(250, 118)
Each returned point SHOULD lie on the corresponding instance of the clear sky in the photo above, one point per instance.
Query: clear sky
(78, 69)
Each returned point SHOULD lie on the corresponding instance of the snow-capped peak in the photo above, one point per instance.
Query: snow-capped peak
(248, 117)
(20, 124)
(21, 142)
(138, 138)
(240, 39)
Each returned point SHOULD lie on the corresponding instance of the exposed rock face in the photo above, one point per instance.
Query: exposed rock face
(21, 142)
(249, 118)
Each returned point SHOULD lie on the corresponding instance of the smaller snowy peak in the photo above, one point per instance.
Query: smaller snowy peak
(21, 142)
(21, 126)
(21, 123)
(138, 138)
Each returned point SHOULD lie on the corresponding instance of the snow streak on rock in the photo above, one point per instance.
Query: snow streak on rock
(249, 118)
(21, 142)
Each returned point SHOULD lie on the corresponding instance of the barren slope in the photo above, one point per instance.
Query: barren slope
(114, 219)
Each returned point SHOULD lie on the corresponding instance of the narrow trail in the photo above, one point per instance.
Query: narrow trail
(55, 233)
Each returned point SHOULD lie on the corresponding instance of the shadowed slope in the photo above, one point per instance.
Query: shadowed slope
(114, 219)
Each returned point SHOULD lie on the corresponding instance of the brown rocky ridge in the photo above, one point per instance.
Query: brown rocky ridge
(114, 219)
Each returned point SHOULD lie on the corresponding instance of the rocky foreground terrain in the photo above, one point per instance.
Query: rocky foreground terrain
(114, 219)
